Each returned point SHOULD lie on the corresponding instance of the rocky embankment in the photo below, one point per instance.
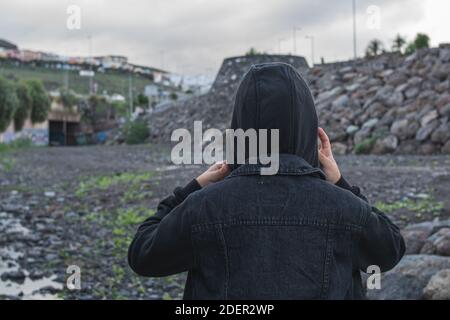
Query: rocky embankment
(215, 107)
(388, 104)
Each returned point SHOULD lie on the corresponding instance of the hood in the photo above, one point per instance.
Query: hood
(275, 96)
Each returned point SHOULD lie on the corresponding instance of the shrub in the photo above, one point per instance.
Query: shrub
(135, 132)
(41, 101)
(173, 96)
(120, 108)
(365, 146)
(68, 99)
(8, 103)
(24, 106)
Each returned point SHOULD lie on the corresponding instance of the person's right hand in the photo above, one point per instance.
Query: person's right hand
(214, 173)
(329, 165)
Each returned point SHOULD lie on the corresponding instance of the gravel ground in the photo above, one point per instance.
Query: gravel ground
(80, 206)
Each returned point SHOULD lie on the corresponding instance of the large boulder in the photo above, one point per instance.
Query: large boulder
(438, 288)
(438, 243)
(385, 145)
(409, 278)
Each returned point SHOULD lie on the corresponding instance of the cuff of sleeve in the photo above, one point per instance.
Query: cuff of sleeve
(192, 186)
(342, 183)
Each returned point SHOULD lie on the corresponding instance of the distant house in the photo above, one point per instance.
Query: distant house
(6, 45)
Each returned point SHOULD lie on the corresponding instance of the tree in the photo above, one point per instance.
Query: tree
(422, 41)
(374, 48)
(398, 43)
(8, 103)
(25, 104)
(41, 101)
(142, 100)
(252, 52)
(410, 48)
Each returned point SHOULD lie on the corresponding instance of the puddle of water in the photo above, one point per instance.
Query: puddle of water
(29, 288)
(10, 225)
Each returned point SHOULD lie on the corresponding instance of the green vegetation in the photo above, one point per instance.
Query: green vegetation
(19, 143)
(25, 104)
(398, 43)
(105, 182)
(53, 79)
(252, 52)
(40, 101)
(68, 98)
(7, 163)
(419, 206)
(135, 132)
(365, 146)
(374, 48)
(8, 103)
(121, 220)
(422, 40)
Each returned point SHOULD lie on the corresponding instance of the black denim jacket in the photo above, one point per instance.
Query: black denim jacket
(288, 236)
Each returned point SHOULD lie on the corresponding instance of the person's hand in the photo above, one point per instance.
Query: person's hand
(214, 173)
(329, 165)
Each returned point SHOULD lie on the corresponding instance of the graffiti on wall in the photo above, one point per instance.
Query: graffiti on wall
(38, 136)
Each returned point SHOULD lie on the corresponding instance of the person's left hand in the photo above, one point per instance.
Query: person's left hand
(214, 173)
(329, 165)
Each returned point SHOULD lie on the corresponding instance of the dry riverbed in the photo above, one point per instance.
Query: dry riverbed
(80, 206)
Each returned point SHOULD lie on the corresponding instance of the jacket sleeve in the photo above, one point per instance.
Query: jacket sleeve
(162, 243)
(380, 241)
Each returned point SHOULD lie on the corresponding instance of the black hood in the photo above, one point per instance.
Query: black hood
(275, 96)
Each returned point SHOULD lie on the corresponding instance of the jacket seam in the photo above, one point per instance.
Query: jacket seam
(227, 273)
(276, 222)
(325, 284)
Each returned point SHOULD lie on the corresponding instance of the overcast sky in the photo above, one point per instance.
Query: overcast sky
(193, 36)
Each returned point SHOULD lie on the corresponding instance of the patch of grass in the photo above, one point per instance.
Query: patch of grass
(107, 181)
(135, 132)
(365, 146)
(7, 163)
(419, 206)
(19, 143)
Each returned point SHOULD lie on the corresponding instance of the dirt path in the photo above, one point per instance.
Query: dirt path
(80, 206)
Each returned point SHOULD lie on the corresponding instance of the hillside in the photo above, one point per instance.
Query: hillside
(112, 82)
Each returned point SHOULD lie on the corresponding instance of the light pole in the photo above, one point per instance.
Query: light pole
(354, 30)
(294, 31)
(279, 44)
(312, 49)
(90, 65)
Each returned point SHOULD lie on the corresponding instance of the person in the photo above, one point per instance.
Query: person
(303, 233)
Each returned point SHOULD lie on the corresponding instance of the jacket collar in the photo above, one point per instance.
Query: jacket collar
(291, 165)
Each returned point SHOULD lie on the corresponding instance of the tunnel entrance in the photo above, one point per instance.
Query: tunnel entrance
(62, 133)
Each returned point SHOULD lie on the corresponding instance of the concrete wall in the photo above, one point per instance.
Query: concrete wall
(38, 133)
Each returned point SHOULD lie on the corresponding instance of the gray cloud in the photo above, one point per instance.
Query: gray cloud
(194, 36)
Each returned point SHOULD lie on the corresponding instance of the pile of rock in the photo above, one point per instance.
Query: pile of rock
(391, 104)
(215, 107)
(424, 272)
(388, 104)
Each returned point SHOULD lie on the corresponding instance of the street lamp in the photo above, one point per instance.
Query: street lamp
(312, 48)
(294, 31)
(279, 44)
(354, 29)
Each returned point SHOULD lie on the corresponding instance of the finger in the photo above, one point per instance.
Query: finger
(323, 159)
(326, 146)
